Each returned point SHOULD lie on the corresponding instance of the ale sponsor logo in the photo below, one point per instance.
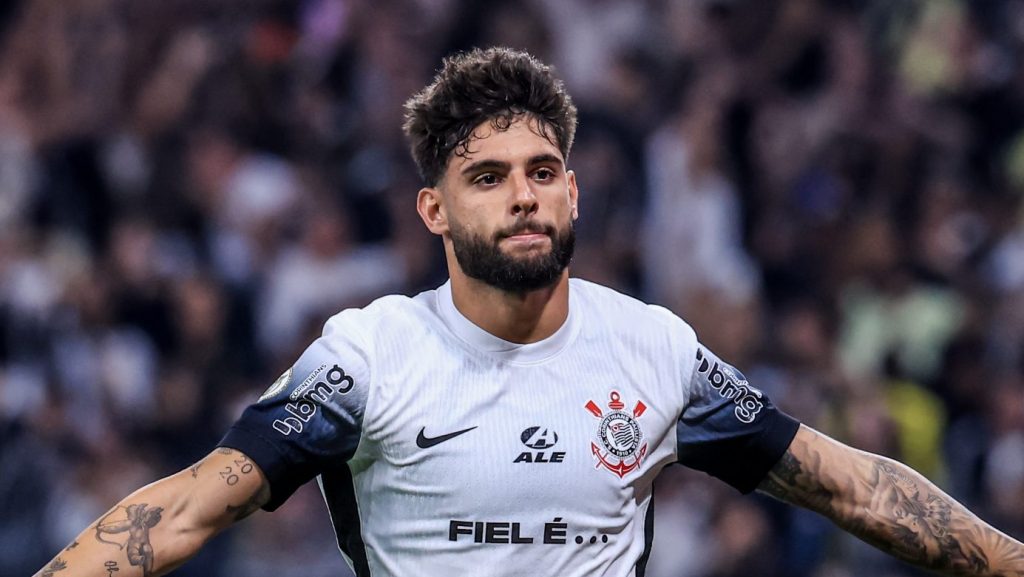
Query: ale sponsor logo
(540, 439)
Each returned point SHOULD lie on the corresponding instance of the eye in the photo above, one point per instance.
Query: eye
(487, 179)
(544, 174)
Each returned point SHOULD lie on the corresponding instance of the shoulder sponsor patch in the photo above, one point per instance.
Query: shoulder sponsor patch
(307, 383)
(731, 385)
(277, 386)
(316, 390)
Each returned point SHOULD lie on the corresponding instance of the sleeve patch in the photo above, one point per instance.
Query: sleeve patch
(277, 386)
(731, 385)
(310, 395)
(307, 383)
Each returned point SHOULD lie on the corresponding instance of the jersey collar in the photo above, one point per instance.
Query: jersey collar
(483, 341)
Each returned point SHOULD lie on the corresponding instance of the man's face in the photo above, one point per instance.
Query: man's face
(508, 207)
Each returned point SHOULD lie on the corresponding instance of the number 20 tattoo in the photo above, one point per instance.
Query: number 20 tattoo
(229, 475)
(242, 466)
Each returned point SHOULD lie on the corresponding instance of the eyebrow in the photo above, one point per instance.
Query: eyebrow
(490, 164)
(546, 157)
(486, 164)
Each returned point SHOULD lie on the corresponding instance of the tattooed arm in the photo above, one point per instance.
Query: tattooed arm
(892, 507)
(160, 526)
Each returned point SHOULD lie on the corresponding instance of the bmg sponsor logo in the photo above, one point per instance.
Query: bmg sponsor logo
(731, 385)
(539, 439)
(302, 409)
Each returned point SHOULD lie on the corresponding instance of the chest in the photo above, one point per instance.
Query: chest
(476, 438)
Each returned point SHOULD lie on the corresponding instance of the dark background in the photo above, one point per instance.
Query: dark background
(829, 191)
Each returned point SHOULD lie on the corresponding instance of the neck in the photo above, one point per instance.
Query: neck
(515, 317)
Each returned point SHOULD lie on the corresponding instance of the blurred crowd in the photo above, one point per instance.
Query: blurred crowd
(830, 191)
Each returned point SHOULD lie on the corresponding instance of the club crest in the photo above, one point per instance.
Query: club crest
(621, 446)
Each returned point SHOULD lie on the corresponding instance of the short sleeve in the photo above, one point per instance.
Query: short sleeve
(310, 419)
(729, 429)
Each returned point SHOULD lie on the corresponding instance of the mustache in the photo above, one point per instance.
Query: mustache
(526, 227)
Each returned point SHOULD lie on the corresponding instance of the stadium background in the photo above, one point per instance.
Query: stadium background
(830, 191)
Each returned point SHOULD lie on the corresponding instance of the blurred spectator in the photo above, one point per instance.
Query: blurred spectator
(322, 274)
(692, 204)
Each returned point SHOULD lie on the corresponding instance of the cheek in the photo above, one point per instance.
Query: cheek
(459, 216)
(468, 225)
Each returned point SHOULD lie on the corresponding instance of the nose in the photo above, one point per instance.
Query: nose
(524, 201)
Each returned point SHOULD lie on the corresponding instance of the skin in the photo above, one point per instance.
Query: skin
(891, 506)
(137, 523)
(160, 526)
(509, 177)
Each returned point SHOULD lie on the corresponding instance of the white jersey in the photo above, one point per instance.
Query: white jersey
(443, 450)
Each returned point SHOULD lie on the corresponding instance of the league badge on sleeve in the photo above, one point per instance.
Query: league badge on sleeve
(279, 385)
(622, 446)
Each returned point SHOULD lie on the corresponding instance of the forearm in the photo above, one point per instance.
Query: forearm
(162, 525)
(140, 536)
(892, 507)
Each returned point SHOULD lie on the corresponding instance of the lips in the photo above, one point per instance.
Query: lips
(528, 233)
(528, 236)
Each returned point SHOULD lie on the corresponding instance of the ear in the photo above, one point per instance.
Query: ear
(574, 194)
(429, 206)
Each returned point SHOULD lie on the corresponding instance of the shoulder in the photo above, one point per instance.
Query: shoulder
(385, 317)
(626, 314)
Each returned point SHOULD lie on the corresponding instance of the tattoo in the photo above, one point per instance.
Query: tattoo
(261, 496)
(890, 506)
(111, 567)
(243, 466)
(137, 523)
(225, 451)
(195, 469)
(55, 566)
(790, 481)
(71, 546)
(918, 522)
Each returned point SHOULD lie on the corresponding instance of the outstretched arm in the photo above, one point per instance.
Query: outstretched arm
(160, 526)
(892, 507)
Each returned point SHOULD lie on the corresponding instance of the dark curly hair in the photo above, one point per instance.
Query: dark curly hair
(495, 84)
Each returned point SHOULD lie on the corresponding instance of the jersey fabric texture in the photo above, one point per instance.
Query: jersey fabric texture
(443, 450)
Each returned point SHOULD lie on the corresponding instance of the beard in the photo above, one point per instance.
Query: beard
(483, 259)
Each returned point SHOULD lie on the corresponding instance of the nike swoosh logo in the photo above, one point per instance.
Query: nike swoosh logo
(425, 442)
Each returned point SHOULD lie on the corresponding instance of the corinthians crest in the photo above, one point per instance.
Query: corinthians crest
(622, 447)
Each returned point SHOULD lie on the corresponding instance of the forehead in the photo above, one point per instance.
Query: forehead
(525, 137)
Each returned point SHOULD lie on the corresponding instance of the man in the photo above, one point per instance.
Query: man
(512, 421)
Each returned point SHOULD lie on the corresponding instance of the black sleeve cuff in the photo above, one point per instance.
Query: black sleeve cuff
(764, 451)
(283, 476)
